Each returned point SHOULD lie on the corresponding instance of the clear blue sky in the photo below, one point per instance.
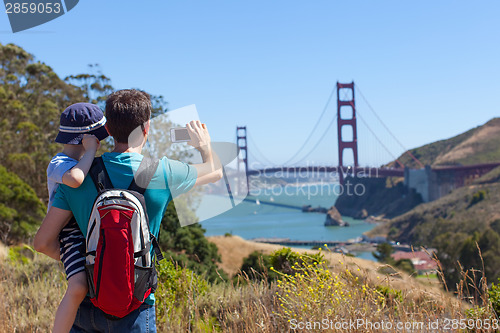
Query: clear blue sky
(429, 68)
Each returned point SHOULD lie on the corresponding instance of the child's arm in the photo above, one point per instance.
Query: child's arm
(75, 176)
(47, 237)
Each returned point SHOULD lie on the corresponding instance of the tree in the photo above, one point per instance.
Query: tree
(489, 243)
(20, 209)
(459, 253)
(32, 97)
(383, 254)
(188, 246)
(95, 87)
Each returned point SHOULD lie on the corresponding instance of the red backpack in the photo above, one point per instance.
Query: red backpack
(120, 269)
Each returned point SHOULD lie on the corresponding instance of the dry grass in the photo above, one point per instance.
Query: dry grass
(3, 251)
(30, 294)
(345, 289)
(234, 249)
(469, 147)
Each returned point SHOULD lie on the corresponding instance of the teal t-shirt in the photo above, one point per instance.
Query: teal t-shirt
(171, 179)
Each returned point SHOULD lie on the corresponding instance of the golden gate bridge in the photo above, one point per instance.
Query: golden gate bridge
(431, 182)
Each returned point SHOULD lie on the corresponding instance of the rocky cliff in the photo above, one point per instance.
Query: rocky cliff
(376, 196)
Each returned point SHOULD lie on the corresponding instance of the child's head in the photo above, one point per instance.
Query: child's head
(79, 119)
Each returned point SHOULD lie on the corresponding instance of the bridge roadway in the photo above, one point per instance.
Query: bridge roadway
(308, 170)
(480, 169)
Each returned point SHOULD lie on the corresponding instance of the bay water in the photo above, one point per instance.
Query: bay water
(256, 219)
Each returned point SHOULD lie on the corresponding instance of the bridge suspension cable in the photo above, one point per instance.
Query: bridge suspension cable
(314, 128)
(388, 130)
(254, 146)
(254, 159)
(377, 138)
(320, 139)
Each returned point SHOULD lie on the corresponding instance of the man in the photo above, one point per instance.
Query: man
(128, 115)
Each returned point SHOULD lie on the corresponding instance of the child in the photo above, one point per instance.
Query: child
(81, 128)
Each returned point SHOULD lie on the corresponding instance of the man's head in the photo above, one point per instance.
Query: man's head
(125, 111)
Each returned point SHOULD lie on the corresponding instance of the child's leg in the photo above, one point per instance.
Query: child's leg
(46, 239)
(71, 239)
(66, 313)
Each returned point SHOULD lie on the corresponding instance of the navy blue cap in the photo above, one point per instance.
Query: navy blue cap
(79, 119)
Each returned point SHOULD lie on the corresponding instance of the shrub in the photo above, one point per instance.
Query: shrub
(257, 266)
(494, 295)
(21, 255)
(405, 265)
(391, 296)
(283, 260)
(477, 197)
(314, 291)
(178, 289)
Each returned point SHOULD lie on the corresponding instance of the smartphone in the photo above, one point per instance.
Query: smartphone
(179, 134)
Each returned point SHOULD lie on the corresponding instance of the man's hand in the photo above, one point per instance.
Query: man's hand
(90, 142)
(210, 170)
(199, 134)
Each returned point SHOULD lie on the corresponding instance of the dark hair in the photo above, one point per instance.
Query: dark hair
(125, 111)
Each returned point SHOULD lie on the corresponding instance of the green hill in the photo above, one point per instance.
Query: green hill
(456, 225)
(478, 145)
(467, 218)
(465, 210)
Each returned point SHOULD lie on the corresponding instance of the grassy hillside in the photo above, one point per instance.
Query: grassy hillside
(463, 226)
(456, 212)
(456, 225)
(341, 289)
(234, 249)
(478, 145)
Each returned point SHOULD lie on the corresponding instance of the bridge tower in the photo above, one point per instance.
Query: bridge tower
(346, 117)
(241, 142)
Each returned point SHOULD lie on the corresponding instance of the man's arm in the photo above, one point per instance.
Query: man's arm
(47, 237)
(76, 175)
(210, 170)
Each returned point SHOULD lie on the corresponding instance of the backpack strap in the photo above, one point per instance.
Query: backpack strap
(143, 176)
(156, 248)
(99, 175)
(139, 183)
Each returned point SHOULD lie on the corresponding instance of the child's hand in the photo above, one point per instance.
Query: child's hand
(90, 142)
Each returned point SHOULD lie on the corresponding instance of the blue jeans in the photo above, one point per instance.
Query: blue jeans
(91, 319)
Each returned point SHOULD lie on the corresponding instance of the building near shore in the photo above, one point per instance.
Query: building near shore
(421, 260)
